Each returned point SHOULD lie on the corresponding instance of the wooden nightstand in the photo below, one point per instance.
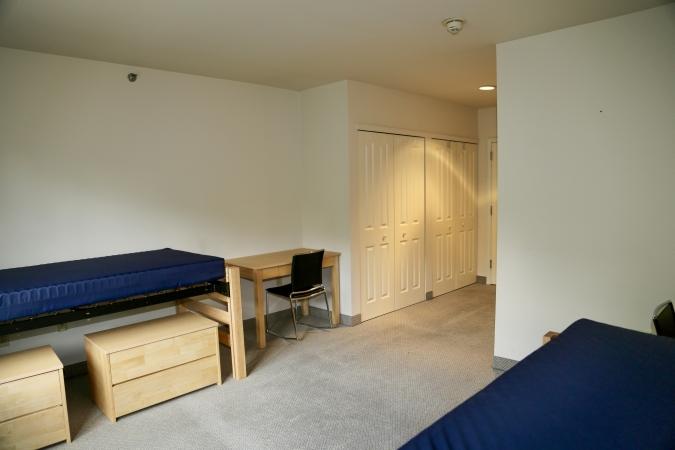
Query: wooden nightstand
(139, 365)
(33, 410)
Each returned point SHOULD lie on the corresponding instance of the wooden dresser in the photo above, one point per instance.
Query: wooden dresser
(139, 365)
(33, 410)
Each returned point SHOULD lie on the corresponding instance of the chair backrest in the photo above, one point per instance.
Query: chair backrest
(306, 270)
(664, 319)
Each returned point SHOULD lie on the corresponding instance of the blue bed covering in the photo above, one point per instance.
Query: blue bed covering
(596, 386)
(29, 291)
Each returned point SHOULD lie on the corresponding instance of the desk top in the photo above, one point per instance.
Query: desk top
(274, 259)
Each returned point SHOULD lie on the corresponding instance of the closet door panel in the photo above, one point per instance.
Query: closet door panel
(440, 202)
(471, 216)
(376, 215)
(409, 219)
(465, 169)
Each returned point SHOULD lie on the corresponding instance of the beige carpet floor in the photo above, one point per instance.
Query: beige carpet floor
(373, 386)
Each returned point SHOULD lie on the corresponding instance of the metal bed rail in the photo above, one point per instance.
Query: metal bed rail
(110, 307)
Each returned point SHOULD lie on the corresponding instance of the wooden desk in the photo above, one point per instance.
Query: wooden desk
(269, 266)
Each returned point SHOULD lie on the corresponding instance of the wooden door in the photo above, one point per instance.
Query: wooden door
(409, 220)
(440, 198)
(465, 207)
(376, 216)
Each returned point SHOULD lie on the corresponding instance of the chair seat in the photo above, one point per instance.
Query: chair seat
(285, 290)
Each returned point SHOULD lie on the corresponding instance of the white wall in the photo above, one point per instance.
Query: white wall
(587, 177)
(382, 107)
(93, 165)
(487, 129)
(375, 105)
(325, 165)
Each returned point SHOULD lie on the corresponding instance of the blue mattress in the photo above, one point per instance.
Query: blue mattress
(596, 386)
(29, 291)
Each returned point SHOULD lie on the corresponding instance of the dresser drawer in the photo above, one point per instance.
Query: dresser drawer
(34, 430)
(158, 387)
(150, 358)
(28, 395)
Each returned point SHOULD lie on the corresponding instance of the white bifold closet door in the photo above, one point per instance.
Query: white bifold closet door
(451, 191)
(409, 220)
(441, 188)
(466, 213)
(391, 210)
(376, 211)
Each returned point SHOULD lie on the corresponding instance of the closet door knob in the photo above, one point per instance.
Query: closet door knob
(403, 234)
(384, 238)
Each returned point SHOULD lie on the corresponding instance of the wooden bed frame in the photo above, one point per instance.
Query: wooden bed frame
(548, 337)
(227, 312)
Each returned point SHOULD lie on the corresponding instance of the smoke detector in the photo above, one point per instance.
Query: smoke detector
(453, 24)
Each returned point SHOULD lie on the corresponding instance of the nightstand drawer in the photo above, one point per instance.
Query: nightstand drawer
(34, 430)
(28, 395)
(158, 387)
(150, 358)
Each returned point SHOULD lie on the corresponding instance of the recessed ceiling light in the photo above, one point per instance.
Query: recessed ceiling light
(487, 87)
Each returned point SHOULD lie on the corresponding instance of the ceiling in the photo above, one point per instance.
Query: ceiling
(298, 44)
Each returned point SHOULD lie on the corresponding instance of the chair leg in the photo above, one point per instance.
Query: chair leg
(267, 311)
(295, 322)
(330, 316)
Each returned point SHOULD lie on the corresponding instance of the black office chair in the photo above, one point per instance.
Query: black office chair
(664, 319)
(306, 283)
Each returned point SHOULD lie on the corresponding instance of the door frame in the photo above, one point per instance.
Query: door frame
(493, 173)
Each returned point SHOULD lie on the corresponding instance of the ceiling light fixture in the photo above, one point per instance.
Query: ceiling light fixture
(453, 24)
(487, 87)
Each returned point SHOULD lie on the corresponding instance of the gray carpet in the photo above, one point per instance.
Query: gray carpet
(373, 386)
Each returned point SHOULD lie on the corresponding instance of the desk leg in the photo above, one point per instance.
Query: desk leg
(237, 345)
(259, 309)
(335, 287)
